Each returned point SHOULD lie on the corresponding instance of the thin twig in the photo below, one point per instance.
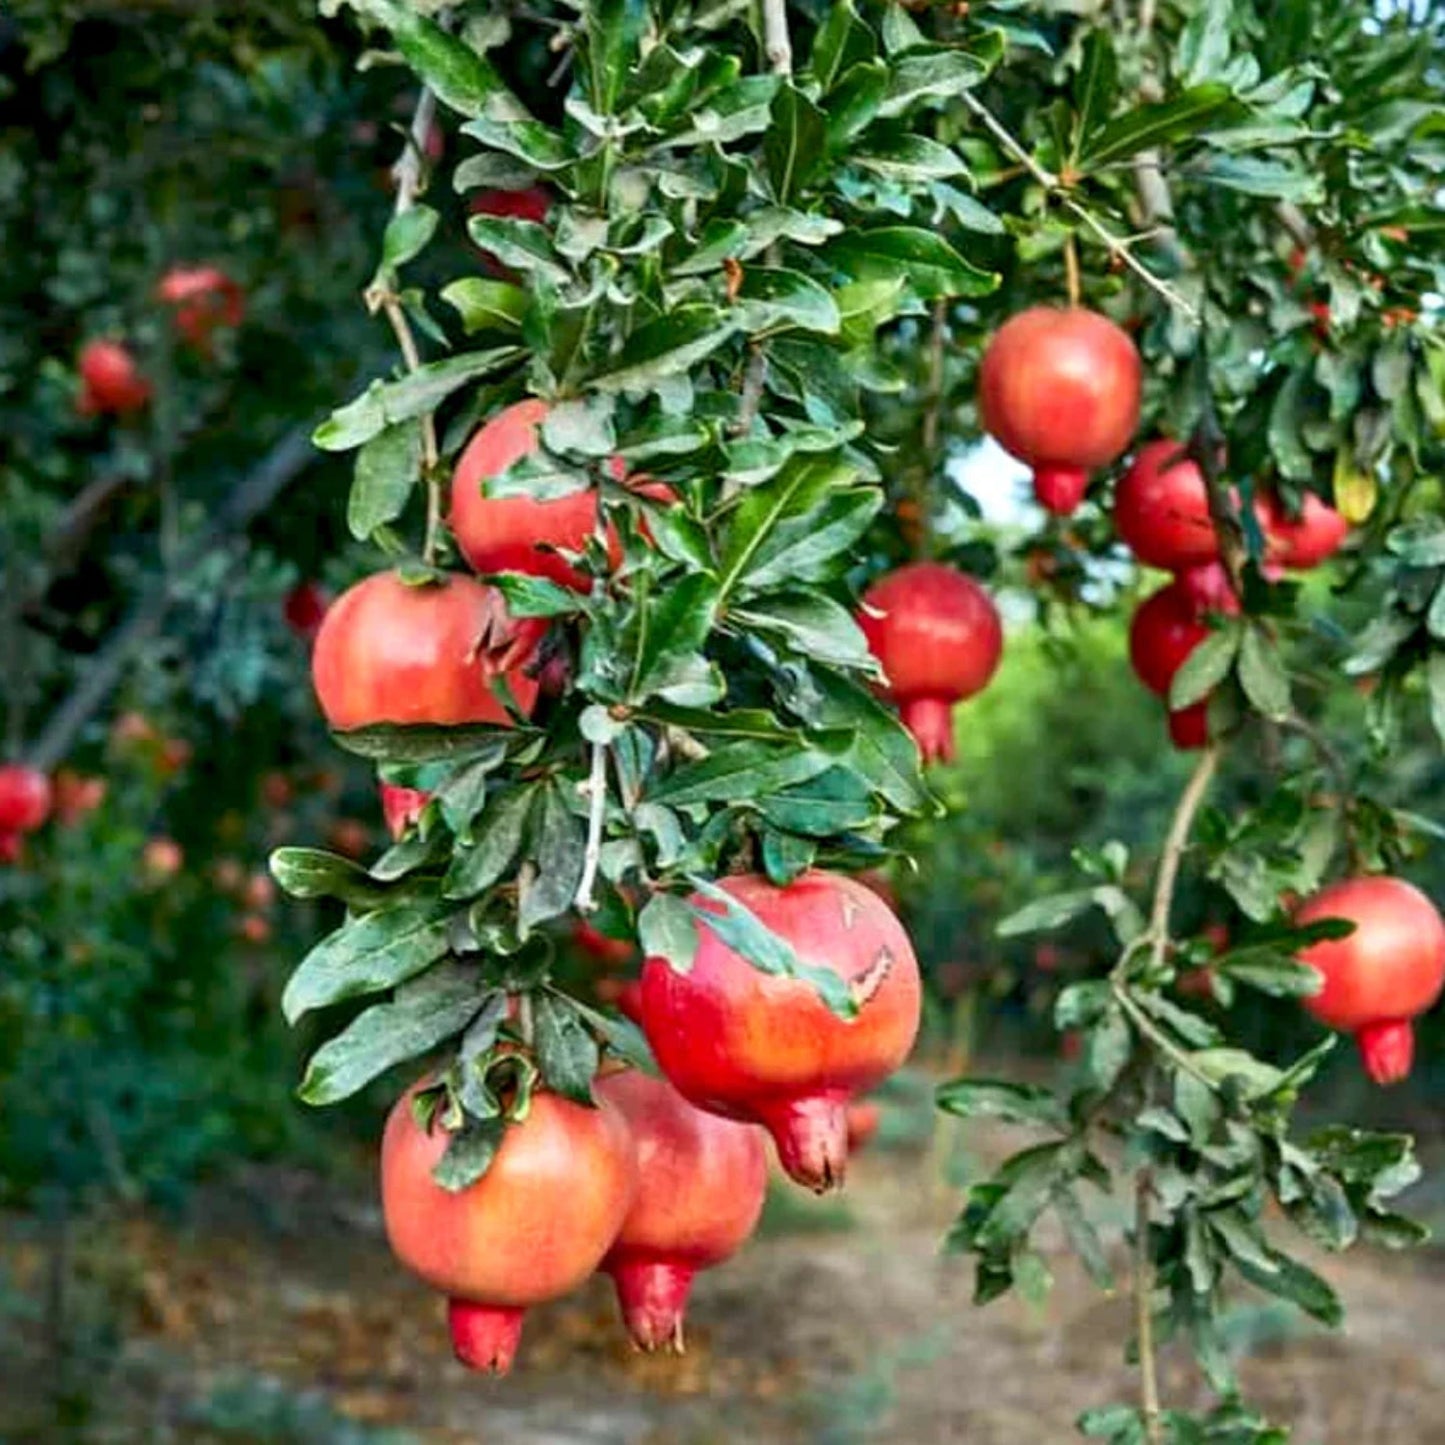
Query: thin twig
(406, 174)
(1144, 1313)
(937, 342)
(776, 40)
(1115, 245)
(596, 789)
(752, 393)
(1175, 843)
(1072, 283)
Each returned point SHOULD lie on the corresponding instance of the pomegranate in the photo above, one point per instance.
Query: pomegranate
(1189, 726)
(533, 1227)
(76, 795)
(350, 837)
(1059, 390)
(1208, 589)
(629, 1001)
(390, 653)
(1304, 541)
(1165, 629)
(864, 1117)
(162, 858)
(12, 847)
(305, 609)
(938, 637)
(204, 298)
(701, 1181)
(1379, 978)
(25, 798)
(110, 381)
(757, 1046)
(602, 949)
(1161, 509)
(401, 807)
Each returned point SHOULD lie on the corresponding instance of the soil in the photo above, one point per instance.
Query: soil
(273, 1312)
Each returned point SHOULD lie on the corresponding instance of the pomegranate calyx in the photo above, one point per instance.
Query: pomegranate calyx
(930, 720)
(1387, 1050)
(811, 1135)
(653, 1295)
(484, 1337)
(1060, 489)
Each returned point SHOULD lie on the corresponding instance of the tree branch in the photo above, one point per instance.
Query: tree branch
(776, 40)
(1175, 842)
(1144, 1312)
(281, 466)
(596, 790)
(1116, 245)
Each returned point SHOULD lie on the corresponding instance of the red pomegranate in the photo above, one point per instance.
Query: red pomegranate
(864, 1118)
(401, 807)
(602, 949)
(305, 609)
(1208, 589)
(76, 795)
(110, 381)
(1304, 541)
(25, 798)
(12, 847)
(701, 1181)
(532, 1228)
(1383, 975)
(938, 637)
(1165, 629)
(391, 653)
(1161, 509)
(204, 298)
(629, 1001)
(1189, 726)
(763, 1047)
(1060, 391)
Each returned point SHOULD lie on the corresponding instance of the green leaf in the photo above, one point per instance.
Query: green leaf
(537, 146)
(883, 751)
(1043, 915)
(388, 742)
(529, 596)
(930, 73)
(1107, 1049)
(811, 624)
(999, 1099)
(1272, 180)
(1083, 1238)
(674, 627)
(525, 245)
(460, 78)
(855, 104)
(837, 801)
(555, 847)
(739, 772)
(486, 305)
(1254, 1076)
(388, 467)
(741, 930)
(1420, 542)
(1262, 675)
(841, 41)
(1293, 1281)
(930, 266)
(667, 929)
(667, 346)
(567, 1053)
(367, 954)
(1096, 88)
(775, 297)
(1435, 681)
(1155, 124)
(1270, 971)
(499, 833)
(796, 142)
(384, 403)
(816, 544)
(407, 235)
(1206, 667)
(425, 1012)
(469, 1154)
(909, 160)
(313, 873)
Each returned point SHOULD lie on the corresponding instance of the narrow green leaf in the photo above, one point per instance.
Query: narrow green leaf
(499, 833)
(567, 1053)
(1206, 667)
(667, 929)
(313, 873)
(388, 468)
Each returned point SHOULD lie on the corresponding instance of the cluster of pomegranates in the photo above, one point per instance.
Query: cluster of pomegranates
(665, 1177)
(201, 299)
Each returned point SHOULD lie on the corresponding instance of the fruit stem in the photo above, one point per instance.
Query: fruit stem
(1115, 245)
(1071, 269)
(1144, 1313)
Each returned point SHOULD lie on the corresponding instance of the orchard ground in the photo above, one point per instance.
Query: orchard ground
(273, 1311)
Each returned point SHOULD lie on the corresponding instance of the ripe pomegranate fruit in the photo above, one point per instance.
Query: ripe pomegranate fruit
(864, 1117)
(602, 949)
(629, 1001)
(533, 1227)
(757, 1046)
(1302, 542)
(1383, 975)
(1166, 627)
(701, 1181)
(25, 798)
(204, 298)
(110, 381)
(1189, 726)
(531, 204)
(76, 795)
(938, 637)
(401, 807)
(162, 858)
(12, 847)
(1161, 509)
(390, 653)
(1060, 391)
(305, 609)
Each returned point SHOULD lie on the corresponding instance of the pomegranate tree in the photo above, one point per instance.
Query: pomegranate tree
(701, 1182)
(938, 637)
(1059, 390)
(1379, 978)
(563, 1180)
(751, 1045)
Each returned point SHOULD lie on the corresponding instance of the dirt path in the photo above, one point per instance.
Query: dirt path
(279, 1316)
